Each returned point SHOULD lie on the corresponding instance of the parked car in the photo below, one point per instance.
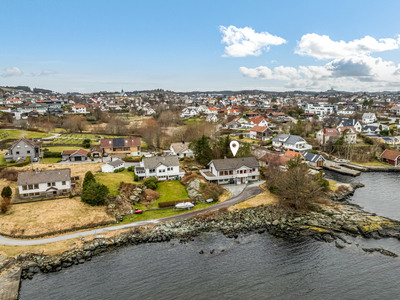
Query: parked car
(35, 159)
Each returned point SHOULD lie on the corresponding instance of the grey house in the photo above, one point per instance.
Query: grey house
(23, 148)
(75, 155)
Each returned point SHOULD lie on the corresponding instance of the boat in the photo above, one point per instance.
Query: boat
(184, 205)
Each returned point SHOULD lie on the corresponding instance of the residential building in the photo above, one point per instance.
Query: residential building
(181, 150)
(21, 149)
(79, 109)
(260, 132)
(326, 135)
(232, 170)
(371, 130)
(320, 109)
(369, 118)
(161, 167)
(113, 165)
(212, 118)
(350, 122)
(314, 160)
(189, 112)
(74, 155)
(290, 142)
(127, 146)
(48, 183)
(390, 157)
(260, 121)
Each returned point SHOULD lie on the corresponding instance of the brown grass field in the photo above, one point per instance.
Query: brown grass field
(262, 199)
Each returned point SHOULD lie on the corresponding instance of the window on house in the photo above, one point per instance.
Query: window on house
(30, 186)
(53, 184)
(126, 148)
(110, 149)
(49, 184)
(36, 186)
(17, 152)
(29, 151)
(64, 183)
(152, 170)
(221, 173)
(24, 187)
(37, 194)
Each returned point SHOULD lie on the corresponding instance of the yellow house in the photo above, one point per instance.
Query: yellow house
(128, 146)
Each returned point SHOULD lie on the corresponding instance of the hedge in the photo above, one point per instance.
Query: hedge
(173, 203)
(47, 154)
(18, 165)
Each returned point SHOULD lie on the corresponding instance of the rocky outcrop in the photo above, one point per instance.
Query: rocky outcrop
(346, 195)
(193, 189)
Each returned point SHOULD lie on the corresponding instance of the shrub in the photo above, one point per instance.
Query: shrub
(313, 151)
(136, 178)
(151, 183)
(71, 196)
(211, 190)
(5, 205)
(12, 161)
(6, 192)
(131, 169)
(241, 136)
(94, 193)
(51, 154)
(88, 178)
(181, 159)
(119, 170)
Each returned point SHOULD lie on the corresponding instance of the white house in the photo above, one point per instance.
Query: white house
(259, 121)
(79, 109)
(290, 142)
(181, 150)
(350, 122)
(369, 118)
(161, 167)
(189, 112)
(112, 166)
(232, 170)
(48, 183)
(212, 118)
(320, 109)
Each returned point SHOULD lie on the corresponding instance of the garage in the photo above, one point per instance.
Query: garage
(78, 158)
(96, 155)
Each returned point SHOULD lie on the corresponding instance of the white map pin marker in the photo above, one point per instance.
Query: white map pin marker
(234, 147)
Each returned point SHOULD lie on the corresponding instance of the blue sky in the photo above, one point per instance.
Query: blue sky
(89, 46)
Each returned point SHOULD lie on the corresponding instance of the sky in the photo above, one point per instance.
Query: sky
(88, 46)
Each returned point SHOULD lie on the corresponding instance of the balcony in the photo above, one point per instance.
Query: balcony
(210, 176)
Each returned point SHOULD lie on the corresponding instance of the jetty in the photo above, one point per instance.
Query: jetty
(339, 168)
(9, 284)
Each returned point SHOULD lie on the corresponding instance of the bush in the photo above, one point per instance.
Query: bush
(94, 193)
(71, 196)
(12, 161)
(47, 154)
(131, 169)
(5, 205)
(181, 159)
(211, 190)
(313, 151)
(119, 170)
(6, 192)
(136, 178)
(241, 136)
(151, 183)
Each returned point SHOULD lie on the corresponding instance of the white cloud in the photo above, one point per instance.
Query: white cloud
(46, 72)
(353, 73)
(14, 71)
(322, 47)
(245, 41)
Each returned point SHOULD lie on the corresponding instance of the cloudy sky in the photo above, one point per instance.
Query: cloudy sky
(98, 45)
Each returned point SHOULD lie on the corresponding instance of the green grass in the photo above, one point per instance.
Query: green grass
(50, 160)
(2, 159)
(170, 191)
(157, 214)
(247, 140)
(17, 134)
(144, 144)
(193, 120)
(60, 148)
(332, 185)
(112, 180)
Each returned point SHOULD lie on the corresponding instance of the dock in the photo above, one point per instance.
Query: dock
(9, 284)
(339, 168)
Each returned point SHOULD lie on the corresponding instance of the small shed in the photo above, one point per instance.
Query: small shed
(112, 166)
(390, 157)
(314, 159)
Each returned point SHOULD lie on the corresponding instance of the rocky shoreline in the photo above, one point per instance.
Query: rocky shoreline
(325, 224)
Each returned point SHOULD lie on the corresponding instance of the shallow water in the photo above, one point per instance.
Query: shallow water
(252, 267)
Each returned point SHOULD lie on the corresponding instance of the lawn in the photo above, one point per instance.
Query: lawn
(61, 148)
(157, 214)
(16, 134)
(143, 144)
(170, 191)
(193, 120)
(2, 159)
(50, 160)
(47, 216)
(112, 180)
(372, 164)
(247, 140)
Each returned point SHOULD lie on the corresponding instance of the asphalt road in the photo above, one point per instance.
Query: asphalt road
(248, 192)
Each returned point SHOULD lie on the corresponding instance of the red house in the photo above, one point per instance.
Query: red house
(390, 157)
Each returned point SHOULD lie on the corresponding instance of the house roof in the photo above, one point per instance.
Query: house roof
(256, 120)
(115, 163)
(235, 163)
(292, 153)
(120, 142)
(155, 161)
(259, 128)
(73, 152)
(80, 106)
(33, 177)
(390, 154)
(347, 122)
(313, 157)
(290, 139)
(27, 141)
(330, 131)
(180, 147)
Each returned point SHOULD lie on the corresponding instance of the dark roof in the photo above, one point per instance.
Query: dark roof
(118, 142)
(33, 177)
(235, 163)
(347, 122)
(313, 157)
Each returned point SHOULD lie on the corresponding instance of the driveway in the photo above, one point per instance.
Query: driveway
(248, 192)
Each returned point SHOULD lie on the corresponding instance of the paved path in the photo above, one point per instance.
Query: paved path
(250, 191)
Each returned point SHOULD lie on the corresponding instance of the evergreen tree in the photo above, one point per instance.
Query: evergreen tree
(88, 178)
(94, 193)
(202, 150)
(6, 192)
(244, 151)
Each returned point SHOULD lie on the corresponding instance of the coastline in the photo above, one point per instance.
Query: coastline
(325, 224)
